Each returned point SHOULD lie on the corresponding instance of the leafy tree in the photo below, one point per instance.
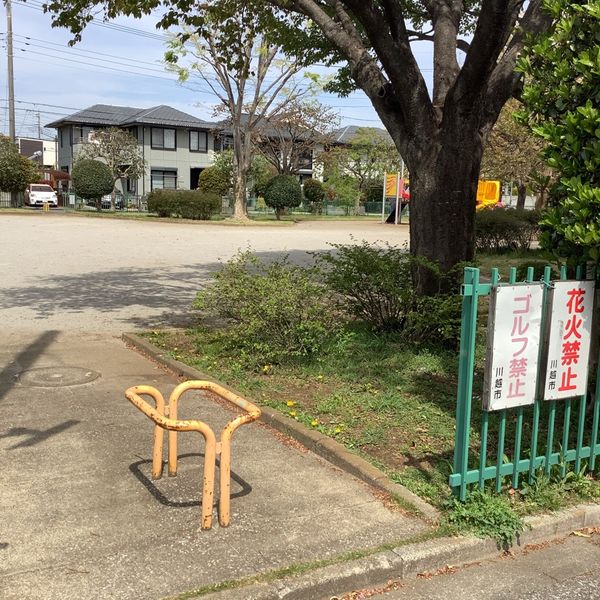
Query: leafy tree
(215, 180)
(261, 172)
(16, 171)
(343, 189)
(121, 153)
(297, 133)
(562, 98)
(91, 180)
(314, 192)
(283, 191)
(513, 153)
(441, 136)
(369, 155)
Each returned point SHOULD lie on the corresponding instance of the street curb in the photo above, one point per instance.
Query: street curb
(315, 441)
(410, 560)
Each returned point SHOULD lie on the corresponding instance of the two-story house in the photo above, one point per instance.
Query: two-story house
(176, 146)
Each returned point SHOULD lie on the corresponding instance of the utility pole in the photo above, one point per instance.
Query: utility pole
(39, 124)
(11, 77)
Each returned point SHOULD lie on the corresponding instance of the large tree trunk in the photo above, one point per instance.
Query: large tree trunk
(522, 195)
(443, 189)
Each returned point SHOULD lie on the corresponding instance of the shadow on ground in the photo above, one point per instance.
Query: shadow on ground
(25, 358)
(135, 468)
(171, 289)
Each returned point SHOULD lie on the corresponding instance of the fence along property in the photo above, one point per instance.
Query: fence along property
(517, 439)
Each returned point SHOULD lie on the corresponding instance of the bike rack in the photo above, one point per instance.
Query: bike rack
(166, 418)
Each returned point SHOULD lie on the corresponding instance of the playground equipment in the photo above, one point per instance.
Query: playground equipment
(488, 193)
(165, 417)
(395, 188)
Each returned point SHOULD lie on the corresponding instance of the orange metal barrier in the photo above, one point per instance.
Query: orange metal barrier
(166, 418)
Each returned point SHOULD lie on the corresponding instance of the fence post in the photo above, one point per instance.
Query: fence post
(465, 375)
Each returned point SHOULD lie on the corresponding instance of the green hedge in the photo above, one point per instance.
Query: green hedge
(500, 229)
(187, 204)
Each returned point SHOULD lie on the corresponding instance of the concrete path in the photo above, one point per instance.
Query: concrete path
(81, 517)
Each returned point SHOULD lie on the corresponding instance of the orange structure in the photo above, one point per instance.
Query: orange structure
(166, 418)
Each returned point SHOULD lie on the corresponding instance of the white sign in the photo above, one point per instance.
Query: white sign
(513, 346)
(570, 339)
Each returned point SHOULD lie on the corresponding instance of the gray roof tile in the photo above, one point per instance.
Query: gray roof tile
(122, 116)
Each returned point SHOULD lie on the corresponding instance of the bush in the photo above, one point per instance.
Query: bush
(374, 284)
(314, 191)
(16, 171)
(500, 229)
(187, 204)
(283, 191)
(91, 179)
(214, 181)
(278, 311)
(161, 203)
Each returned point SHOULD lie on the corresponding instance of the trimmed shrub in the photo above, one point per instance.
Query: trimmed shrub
(277, 310)
(283, 191)
(314, 193)
(187, 204)
(91, 179)
(161, 203)
(500, 229)
(214, 181)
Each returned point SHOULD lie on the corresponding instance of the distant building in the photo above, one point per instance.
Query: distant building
(175, 145)
(40, 151)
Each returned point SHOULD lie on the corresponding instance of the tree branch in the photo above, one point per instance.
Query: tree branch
(504, 80)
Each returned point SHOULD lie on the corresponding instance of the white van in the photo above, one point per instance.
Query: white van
(37, 194)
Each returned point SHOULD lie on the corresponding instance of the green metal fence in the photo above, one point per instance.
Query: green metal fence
(505, 444)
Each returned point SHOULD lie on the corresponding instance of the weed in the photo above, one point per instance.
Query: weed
(485, 515)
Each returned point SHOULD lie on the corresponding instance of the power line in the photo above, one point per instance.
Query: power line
(32, 4)
(83, 50)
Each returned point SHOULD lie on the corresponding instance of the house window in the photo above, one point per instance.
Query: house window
(61, 136)
(131, 186)
(163, 139)
(163, 179)
(77, 134)
(198, 141)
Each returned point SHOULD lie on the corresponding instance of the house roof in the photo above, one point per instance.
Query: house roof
(346, 135)
(123, 116)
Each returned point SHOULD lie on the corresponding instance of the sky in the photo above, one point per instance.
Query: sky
(117, 63)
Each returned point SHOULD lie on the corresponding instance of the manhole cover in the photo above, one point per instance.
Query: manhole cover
(57, 376)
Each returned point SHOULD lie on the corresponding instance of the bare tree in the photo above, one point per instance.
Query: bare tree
(259, 84)
(299, 132)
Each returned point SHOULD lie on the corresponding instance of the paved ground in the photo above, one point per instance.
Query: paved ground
(80, 516)
(64, 272)
(563, 570)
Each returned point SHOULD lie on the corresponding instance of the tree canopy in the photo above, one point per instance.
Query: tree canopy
(119, 150)
(562, 98)
(91, 180)
(513, 153)
(16, 171)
